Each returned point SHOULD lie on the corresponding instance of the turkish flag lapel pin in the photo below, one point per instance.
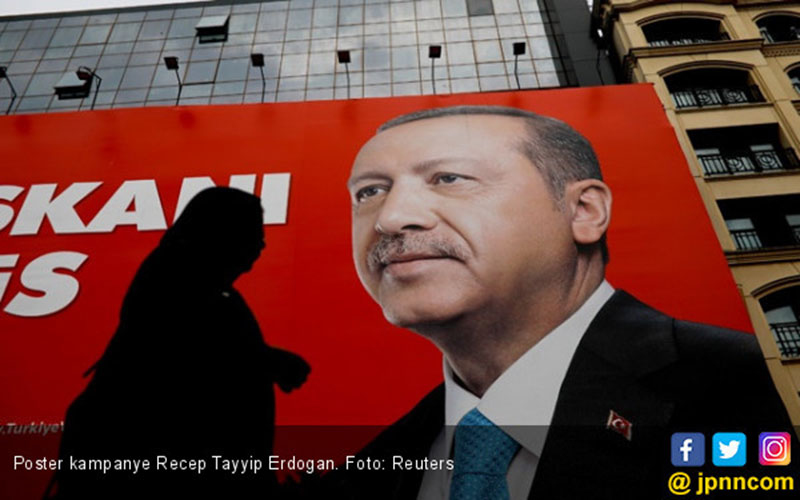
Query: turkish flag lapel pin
(619, 424)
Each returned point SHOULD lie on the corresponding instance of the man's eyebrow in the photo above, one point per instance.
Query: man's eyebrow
(371, 174)
(419, 168)
(422, 167)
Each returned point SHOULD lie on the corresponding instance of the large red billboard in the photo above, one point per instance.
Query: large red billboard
(85, 196)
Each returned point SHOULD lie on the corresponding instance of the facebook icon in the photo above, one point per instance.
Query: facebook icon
(688, 449)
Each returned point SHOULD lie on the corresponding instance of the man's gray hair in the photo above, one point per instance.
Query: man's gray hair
(560, 152)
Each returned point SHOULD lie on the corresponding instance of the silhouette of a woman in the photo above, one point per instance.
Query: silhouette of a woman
(187, 374)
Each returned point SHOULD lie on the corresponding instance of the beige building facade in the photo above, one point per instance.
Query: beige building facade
(728, 74)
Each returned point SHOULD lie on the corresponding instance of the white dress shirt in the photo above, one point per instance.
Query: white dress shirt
(521, 402)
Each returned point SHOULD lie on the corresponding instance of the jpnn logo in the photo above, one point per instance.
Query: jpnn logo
(729, 449)
(774, 448)
(688, 449)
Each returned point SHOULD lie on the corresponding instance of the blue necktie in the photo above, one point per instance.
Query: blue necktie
(482, 455)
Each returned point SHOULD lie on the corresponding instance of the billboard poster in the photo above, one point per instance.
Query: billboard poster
(85, 197)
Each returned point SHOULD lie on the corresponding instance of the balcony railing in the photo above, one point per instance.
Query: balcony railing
(787, 336)
(723, 96)
(748, 162)
(777, 36)
(687, 39)
(746, 239)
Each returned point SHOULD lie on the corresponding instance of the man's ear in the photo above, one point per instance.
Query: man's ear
(589, 202)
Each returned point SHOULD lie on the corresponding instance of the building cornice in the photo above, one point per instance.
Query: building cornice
(605, 11)
(778, 49)
(636, 53)
(616, 8)
(700, 48)
(763, 256)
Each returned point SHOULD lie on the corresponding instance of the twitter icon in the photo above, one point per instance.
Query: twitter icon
(729, 449)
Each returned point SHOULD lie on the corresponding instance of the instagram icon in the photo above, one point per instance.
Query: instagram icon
(774, 448)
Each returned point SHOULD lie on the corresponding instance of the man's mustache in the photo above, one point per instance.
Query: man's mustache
(390, 248)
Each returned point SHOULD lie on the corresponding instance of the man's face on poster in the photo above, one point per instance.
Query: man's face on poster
(450, 217)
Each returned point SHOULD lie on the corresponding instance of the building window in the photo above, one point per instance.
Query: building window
(794, 76)
(779, 28)
(763, 223)
(480, 7)
(782, 310)
(712, 87)
(744, 234)
(212, 29)
(683, 31)
(71, 86)
(742, 150)
(794, 226)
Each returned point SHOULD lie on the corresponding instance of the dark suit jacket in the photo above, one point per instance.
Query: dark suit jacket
(661, 374)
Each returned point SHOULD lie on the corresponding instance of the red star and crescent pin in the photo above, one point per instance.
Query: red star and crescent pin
(619, 424)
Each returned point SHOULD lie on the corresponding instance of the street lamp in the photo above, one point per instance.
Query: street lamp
(434, 53)
(258, 62)
(519, 50)
(171, 62)
(344, 58)
(4, 76)
(85, 73)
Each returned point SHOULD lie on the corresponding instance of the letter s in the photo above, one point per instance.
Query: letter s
(59, 289)
(8, 193)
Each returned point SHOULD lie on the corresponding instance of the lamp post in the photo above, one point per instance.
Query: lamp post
(258, 62)
(171, 63)
(434, 53)
(344, 58)
(85, 73)
(4, 76)
(519, 50)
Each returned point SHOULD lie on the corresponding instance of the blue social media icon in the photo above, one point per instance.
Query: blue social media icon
(729, 449)
(688, 449)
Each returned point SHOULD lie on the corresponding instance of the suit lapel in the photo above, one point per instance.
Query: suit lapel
(625, 344)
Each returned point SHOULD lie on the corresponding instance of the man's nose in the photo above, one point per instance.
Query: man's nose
(405, 208)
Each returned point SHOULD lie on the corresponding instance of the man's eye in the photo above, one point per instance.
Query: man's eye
(447, 178)
(367, 192)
